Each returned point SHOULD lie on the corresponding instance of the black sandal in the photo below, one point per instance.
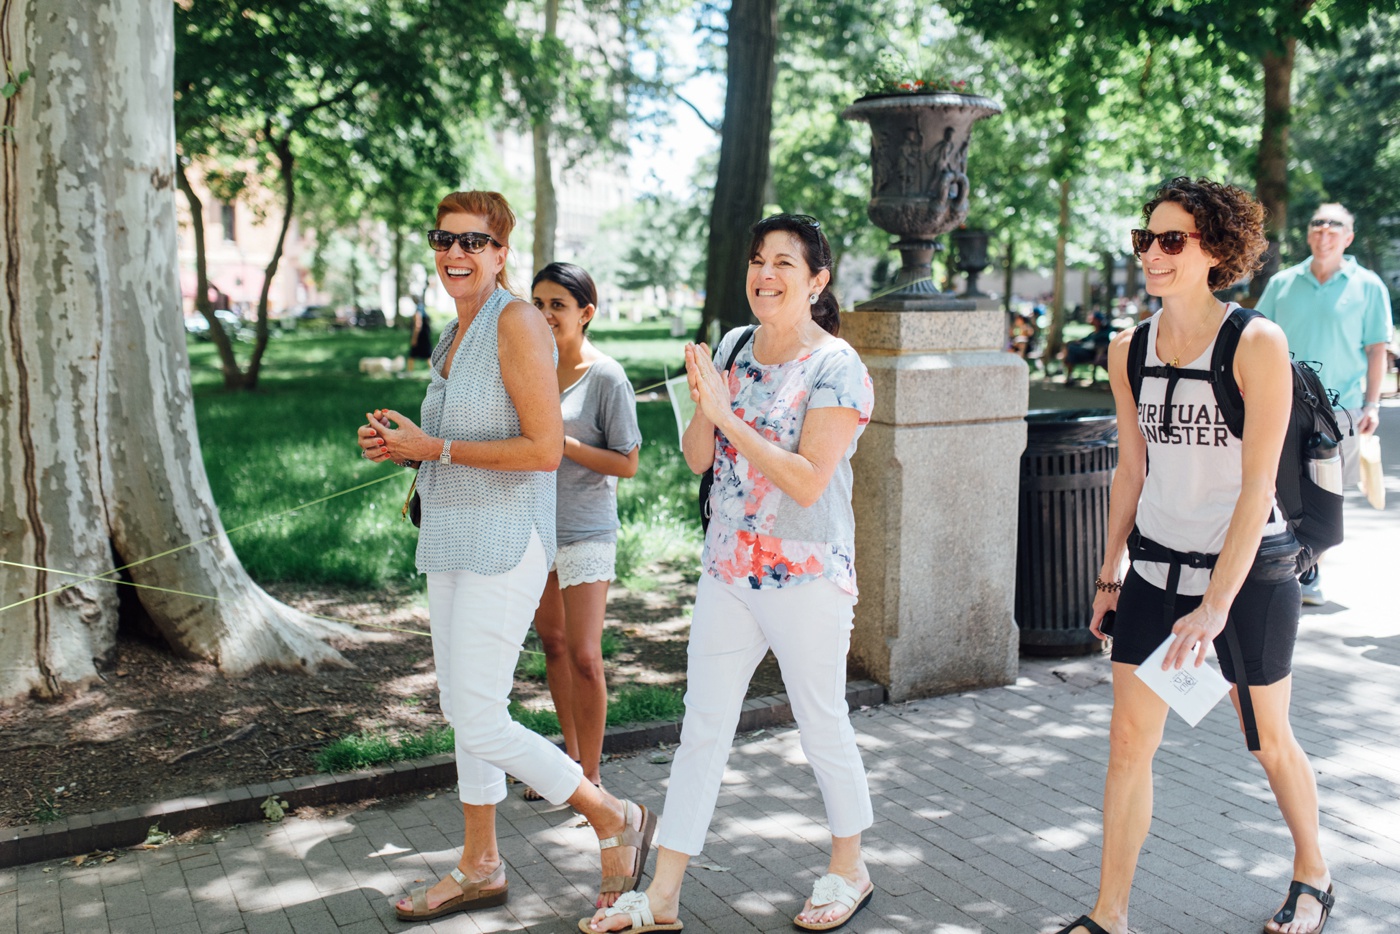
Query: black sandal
(1290, 905)
(1088, 924)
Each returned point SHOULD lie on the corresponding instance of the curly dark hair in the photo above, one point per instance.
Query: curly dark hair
(1230, 220)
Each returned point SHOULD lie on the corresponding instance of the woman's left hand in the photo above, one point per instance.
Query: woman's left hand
(1194, 632)
(708, 389)
(406, 441)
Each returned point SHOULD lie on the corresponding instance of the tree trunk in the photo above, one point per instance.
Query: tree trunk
(1271, 169)
(1110, 261)
(397, 233)
(282, 147)
(1130, 277)
(100, 461)
(1055, 339)
(546, 203)
(743, 158)
(233, 376)
(1010, 275)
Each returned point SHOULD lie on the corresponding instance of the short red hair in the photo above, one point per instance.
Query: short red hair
(500, 219)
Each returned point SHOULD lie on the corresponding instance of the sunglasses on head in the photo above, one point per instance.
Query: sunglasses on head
(470, 242)
(1318, 223)
(1171, 241)
(806, 220)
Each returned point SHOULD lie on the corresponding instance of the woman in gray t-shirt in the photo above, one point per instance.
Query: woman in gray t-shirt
(601, 443)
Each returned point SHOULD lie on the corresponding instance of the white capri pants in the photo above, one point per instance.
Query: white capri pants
(479, 622)
(808, 627)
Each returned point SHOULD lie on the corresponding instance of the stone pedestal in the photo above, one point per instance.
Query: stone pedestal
(935, 495)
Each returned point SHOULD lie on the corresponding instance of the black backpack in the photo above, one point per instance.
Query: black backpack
(1314, 514)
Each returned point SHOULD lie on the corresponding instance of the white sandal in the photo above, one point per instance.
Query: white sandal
(831, 889)
(637, 908)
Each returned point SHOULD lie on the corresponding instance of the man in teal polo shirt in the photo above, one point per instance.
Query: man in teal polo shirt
(1336, 314)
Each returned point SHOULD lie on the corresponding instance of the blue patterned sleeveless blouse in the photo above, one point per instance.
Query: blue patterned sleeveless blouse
(474, 519)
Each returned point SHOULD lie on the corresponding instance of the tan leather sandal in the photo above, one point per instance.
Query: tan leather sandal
(831, 889)
(630, 836)
(483, 893)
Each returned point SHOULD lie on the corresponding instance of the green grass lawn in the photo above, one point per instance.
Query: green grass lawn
(293, 441)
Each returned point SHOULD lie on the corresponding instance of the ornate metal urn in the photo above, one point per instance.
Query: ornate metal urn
(919, 190)
(970, 253)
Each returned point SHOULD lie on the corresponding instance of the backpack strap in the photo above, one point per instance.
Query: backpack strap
(1138, 369)
(1137, 357)
(1222, 369)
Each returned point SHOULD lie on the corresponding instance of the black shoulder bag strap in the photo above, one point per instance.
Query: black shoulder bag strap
(707, 479)
(738, 346)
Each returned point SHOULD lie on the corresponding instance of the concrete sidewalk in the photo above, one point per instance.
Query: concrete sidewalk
(987, 815)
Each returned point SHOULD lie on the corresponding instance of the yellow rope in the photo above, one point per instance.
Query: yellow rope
(107, 578)
(107, 575)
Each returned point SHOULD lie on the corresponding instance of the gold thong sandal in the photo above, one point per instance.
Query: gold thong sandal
(483, 893)
(638, 839)
(638, 911)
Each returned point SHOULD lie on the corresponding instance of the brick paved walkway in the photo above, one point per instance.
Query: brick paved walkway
(987, 817)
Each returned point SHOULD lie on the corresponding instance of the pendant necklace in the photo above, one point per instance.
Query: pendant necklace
(1176, 359)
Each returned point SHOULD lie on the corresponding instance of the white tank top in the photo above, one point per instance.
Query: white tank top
(1193, 470)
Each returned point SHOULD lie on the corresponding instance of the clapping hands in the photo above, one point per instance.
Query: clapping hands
(709, 390)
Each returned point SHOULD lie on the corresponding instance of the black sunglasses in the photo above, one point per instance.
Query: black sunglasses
(1318, 223)
(470, 242)
(806, 220)
(1172, 241)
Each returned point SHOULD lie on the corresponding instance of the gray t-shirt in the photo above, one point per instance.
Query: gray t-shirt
(600, 410)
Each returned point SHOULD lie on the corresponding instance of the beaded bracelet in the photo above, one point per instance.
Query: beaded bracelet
(1107, 586)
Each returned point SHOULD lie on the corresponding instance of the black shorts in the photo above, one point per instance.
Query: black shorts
(1264, 614)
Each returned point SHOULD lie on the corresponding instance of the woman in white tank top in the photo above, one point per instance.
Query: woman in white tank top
(1207, 499)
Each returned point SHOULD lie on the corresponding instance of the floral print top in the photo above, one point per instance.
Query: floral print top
(758, 534)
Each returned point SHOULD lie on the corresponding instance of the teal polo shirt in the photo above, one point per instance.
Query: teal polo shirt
(1331, 323)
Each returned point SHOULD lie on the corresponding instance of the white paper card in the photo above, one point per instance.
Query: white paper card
(1189, 690)
(678, 388)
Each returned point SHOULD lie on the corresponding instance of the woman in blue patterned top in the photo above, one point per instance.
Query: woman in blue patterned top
(490, 441)
(779, 429)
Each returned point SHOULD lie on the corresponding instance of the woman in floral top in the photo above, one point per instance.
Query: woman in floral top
(779, 429)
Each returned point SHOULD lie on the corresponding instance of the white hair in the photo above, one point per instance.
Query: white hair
(1351, 218)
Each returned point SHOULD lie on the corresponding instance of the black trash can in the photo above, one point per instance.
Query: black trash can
(1066, 472)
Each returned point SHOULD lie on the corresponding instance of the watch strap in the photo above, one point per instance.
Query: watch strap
(445, 458)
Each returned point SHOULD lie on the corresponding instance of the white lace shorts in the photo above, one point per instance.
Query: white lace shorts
(585, 562)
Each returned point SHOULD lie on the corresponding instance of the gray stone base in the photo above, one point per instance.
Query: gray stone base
(935, 498)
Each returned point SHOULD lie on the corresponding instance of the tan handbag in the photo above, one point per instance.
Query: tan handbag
(1372, 476)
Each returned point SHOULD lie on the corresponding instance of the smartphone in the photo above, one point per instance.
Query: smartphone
(1106, 624)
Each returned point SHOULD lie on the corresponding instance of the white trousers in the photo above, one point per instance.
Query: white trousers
(479, 622)
(809, 629)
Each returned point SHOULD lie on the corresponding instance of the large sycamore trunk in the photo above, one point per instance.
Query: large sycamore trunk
(1271, 170)
(100, 464)
(742, 176)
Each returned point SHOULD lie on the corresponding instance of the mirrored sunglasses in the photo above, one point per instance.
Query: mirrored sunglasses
(471, 242)
(1171, 241)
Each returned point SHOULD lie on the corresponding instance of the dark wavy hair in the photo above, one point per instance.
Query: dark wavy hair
(815, 251)
(574, 279)
(1230, 220)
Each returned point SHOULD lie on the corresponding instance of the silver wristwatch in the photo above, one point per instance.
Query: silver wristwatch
(445, 458)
